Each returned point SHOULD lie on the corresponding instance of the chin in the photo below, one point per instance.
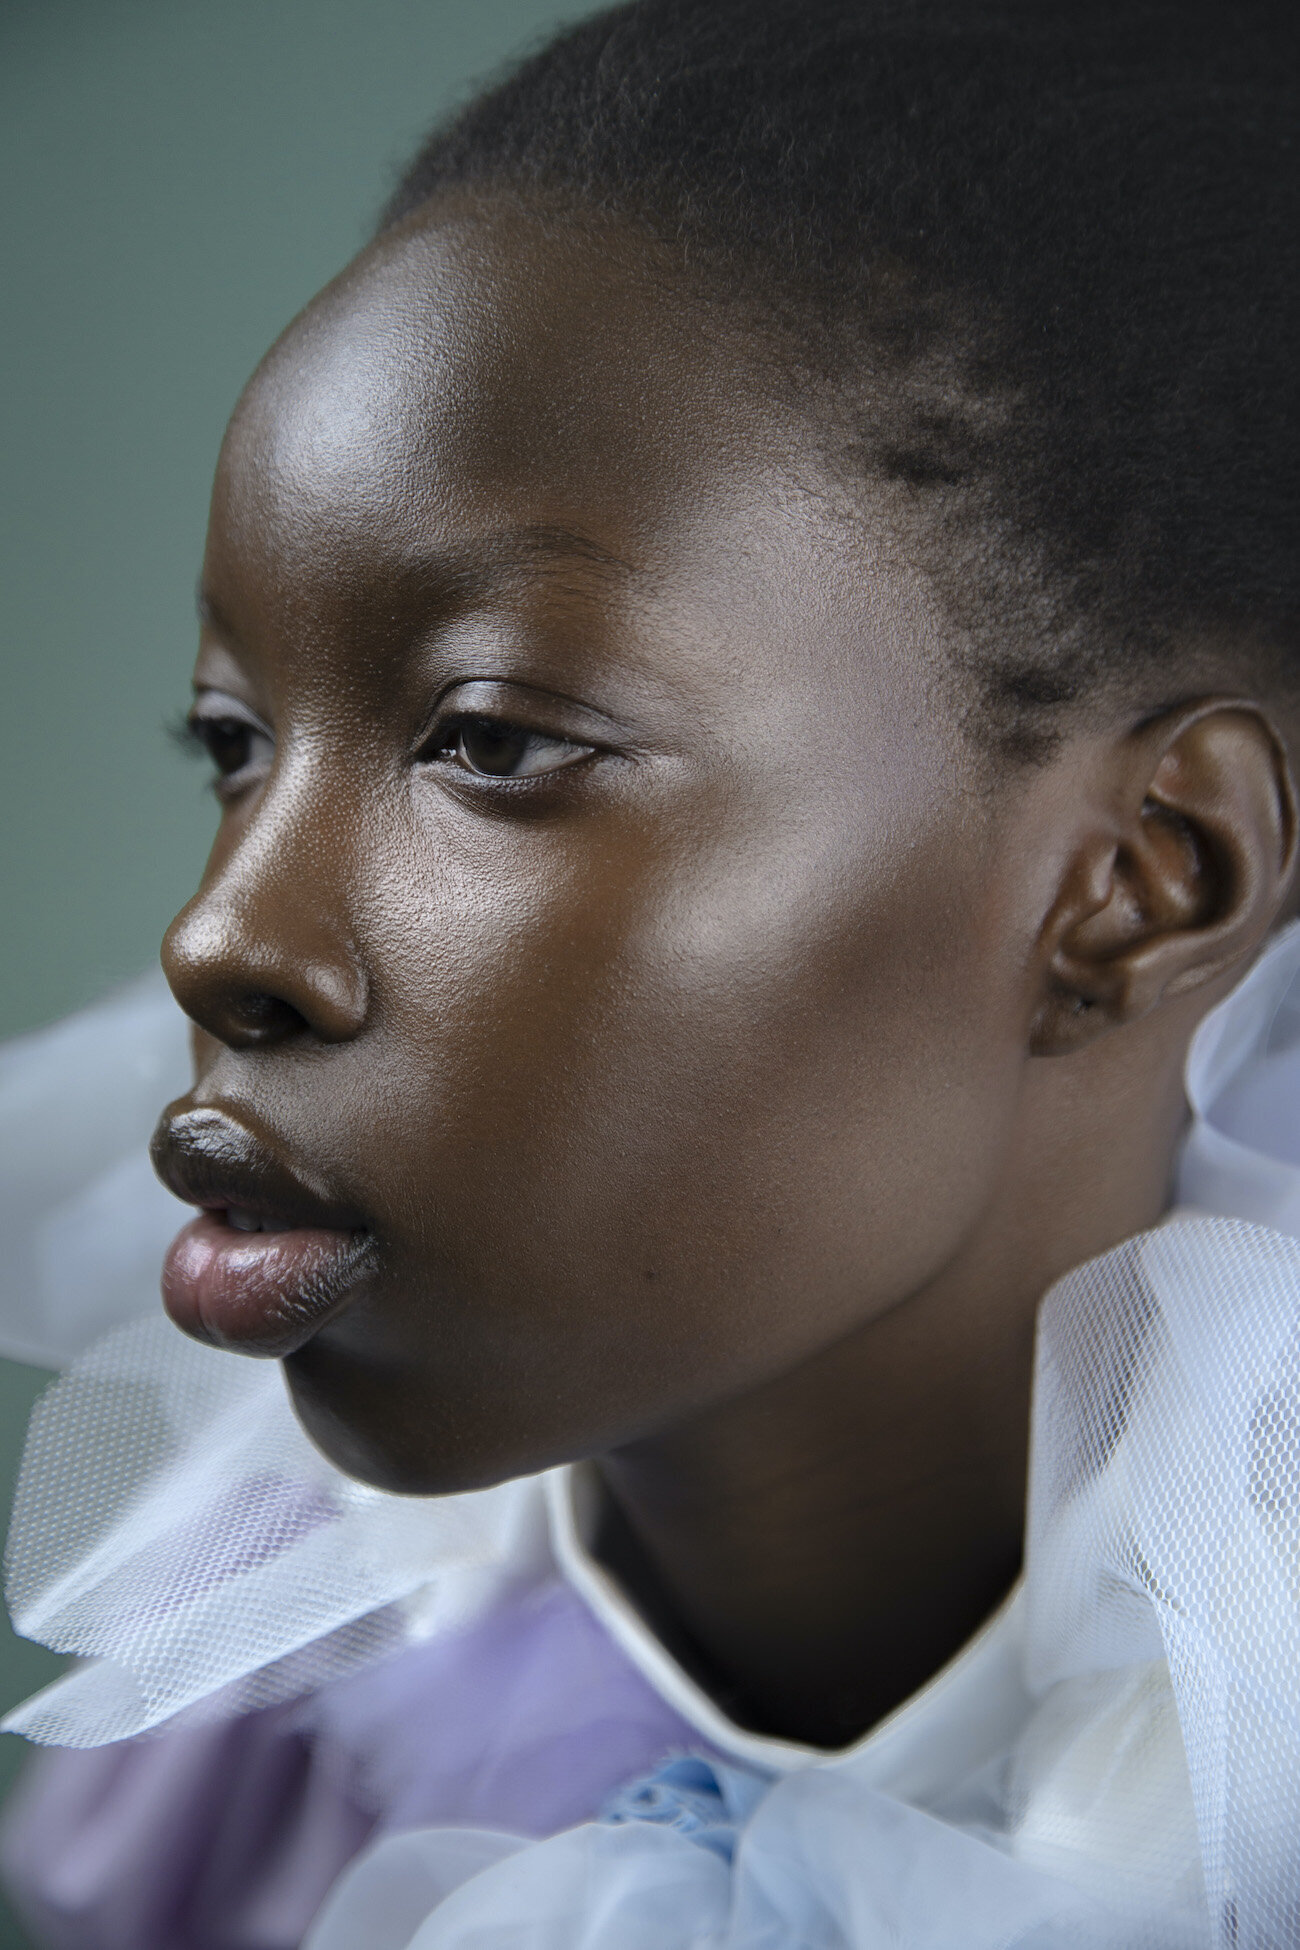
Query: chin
(394, 1445)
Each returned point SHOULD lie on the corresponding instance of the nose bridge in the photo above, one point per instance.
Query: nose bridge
(267, 947)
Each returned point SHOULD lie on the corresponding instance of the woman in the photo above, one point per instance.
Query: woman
(748, 653)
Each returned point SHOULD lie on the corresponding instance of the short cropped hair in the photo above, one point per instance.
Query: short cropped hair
(1039, 256)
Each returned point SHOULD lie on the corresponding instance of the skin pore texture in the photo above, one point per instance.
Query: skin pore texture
(719, 1094)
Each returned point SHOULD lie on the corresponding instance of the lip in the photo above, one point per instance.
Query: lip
(252, 1292)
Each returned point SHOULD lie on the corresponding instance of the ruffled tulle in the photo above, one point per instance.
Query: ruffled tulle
(83, 1219)
(175, 1529)
(1138, 1785)
(824, 1864)
(1151, 1798)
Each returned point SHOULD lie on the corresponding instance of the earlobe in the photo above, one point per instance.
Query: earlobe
(1181, 880)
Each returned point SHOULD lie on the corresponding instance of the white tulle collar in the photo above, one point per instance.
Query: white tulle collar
(1114, 1763)
(1241, 1156)
(1138, 1706)
(294, 1572)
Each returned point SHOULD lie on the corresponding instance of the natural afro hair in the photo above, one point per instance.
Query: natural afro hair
(1038, 256)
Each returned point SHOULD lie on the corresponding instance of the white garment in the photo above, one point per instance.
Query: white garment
(1114, 1760)
(84, 1220)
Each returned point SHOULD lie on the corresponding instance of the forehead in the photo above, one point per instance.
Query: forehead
(485, 385)
(474, 373)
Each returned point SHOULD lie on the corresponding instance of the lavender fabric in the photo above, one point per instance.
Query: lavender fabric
(228, 1837)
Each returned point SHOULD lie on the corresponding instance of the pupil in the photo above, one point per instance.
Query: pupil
(227, 741)
(492, 748)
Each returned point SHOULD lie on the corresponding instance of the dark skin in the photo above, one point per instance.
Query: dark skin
(722, 1094)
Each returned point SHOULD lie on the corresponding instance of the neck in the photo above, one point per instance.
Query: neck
(818, 1549)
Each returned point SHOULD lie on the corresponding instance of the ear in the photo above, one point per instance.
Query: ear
(1179, 876)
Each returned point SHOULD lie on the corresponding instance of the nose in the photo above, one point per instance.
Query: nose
(263, 954)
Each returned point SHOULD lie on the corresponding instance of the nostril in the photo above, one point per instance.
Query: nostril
(263, 1018)
(261, 973)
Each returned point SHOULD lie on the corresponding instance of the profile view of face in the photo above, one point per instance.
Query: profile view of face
(609, 970)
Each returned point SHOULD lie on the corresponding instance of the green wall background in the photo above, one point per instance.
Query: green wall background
(180, 176)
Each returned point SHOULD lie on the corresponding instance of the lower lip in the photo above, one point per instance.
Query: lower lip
(258, 1292)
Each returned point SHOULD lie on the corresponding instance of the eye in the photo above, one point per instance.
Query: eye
(241, 749)
(491, 748)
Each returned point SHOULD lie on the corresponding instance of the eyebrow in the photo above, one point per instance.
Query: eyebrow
(480, 561)
(517, 546)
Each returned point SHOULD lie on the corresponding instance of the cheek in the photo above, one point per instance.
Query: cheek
(649, 1137)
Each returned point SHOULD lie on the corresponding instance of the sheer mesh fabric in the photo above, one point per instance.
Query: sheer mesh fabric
(173, 1525)
(1164, 1588)
(176, 1531)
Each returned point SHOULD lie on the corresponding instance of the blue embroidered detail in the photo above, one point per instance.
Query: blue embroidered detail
(707, 1801)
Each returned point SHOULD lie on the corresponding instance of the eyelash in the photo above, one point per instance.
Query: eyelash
(448, 743)
(200, 736)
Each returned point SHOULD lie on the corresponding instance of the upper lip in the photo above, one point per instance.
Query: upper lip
(209, 1158)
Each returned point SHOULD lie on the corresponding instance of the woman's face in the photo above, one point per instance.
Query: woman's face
(607, 966)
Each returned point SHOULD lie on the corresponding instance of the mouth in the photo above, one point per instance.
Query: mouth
(270, 1258)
